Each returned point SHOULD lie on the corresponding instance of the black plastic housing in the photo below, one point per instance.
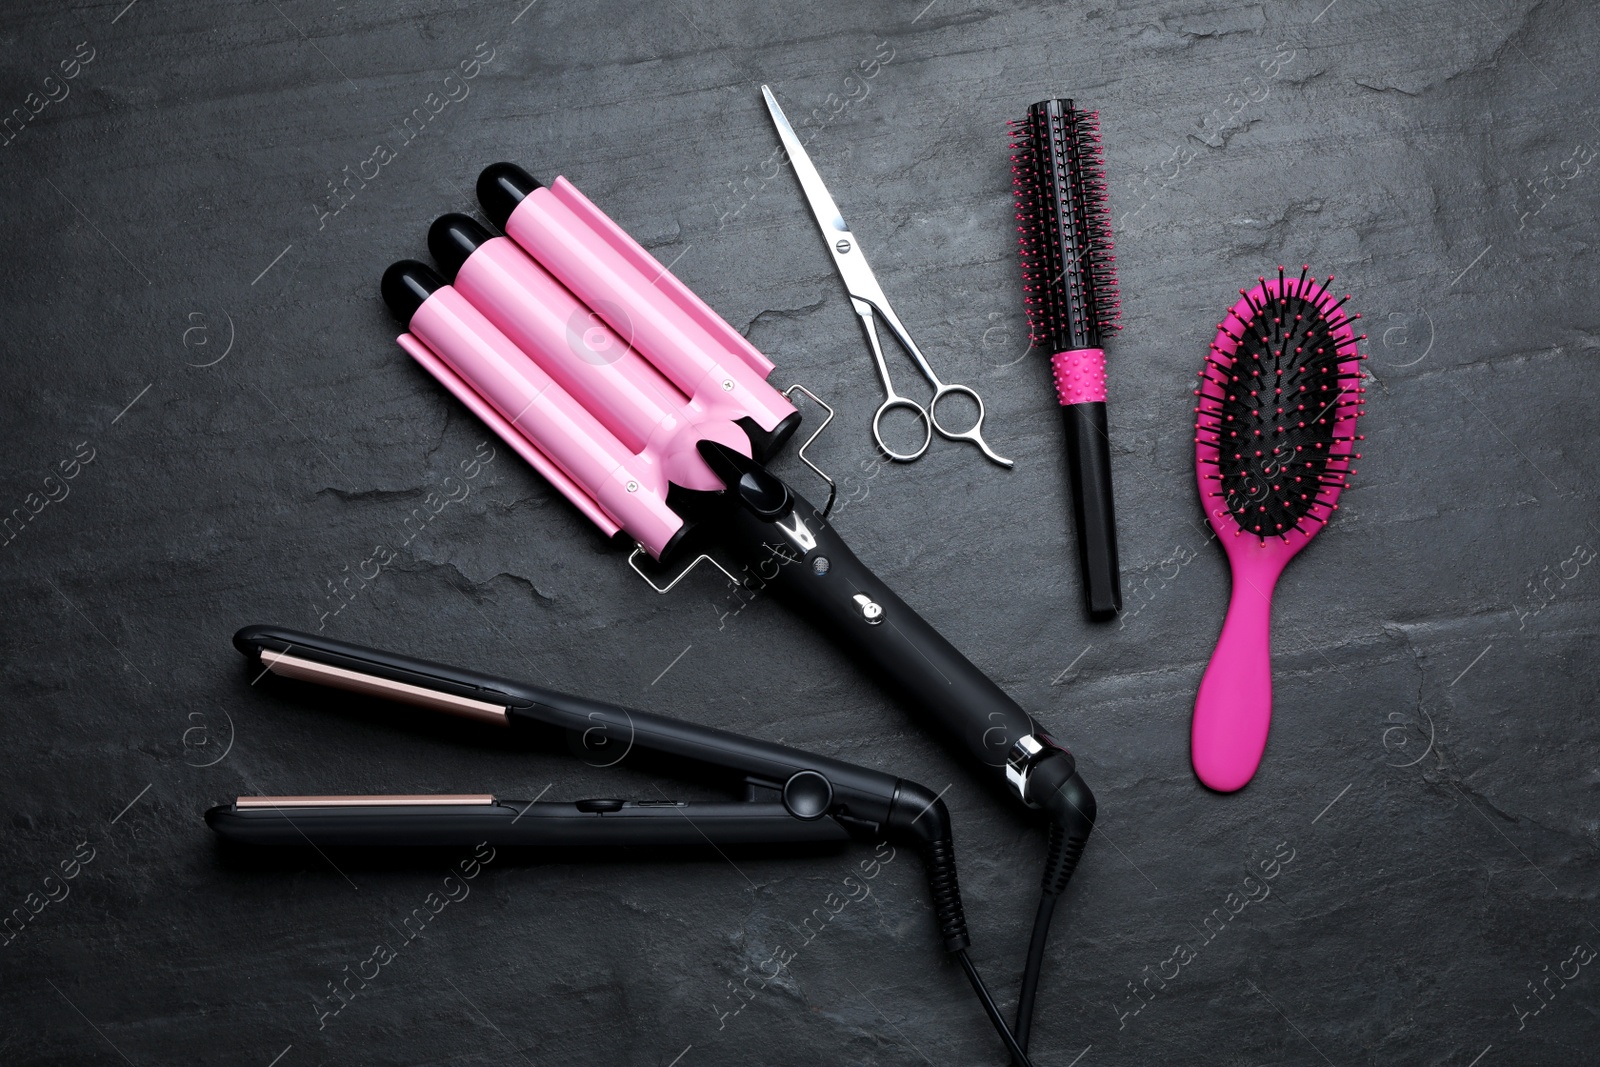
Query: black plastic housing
(515, 823)
(795, 552)
(766, 443)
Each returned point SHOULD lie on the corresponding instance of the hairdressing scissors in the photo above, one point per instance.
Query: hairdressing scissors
(866, 296)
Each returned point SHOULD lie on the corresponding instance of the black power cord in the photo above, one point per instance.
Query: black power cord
(939, 857)
(1030, 972)
(1054, 786)
(1019, 1055)
(1072, 810)
(919, 816)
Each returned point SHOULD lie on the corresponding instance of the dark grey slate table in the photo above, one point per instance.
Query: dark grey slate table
(197, 212)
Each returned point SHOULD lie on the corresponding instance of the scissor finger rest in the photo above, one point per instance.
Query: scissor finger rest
(975, 432)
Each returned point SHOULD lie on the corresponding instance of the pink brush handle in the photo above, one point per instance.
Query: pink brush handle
(1233, 710)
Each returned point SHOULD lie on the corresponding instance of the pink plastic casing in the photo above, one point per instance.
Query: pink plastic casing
(599, 369)
(1234, 707)
(540, 420)
(1080, 375)
(723, 376)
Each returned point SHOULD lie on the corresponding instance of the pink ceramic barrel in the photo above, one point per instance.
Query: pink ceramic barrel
(597, 367)
(674, 329)
(597, 471)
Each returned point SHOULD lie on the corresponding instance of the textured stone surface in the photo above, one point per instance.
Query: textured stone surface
(183, 303)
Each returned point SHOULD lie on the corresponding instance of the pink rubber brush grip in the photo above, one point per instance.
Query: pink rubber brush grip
(600, 370)
(533, 405)
(1080, 375)
(612, 274)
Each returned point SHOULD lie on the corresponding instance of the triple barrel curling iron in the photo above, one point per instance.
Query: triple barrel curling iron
(654, 418)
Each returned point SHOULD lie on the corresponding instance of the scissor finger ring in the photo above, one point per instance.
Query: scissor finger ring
(911, 405)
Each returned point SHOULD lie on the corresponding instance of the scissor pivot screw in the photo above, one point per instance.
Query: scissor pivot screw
(843, 246)
(870, 611)
(633, 487)
(727, 385)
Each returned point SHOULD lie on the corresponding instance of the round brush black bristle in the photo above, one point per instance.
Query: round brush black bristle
(1280, 407)
(1064, 227)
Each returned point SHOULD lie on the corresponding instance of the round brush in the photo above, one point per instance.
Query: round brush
(1070, 295)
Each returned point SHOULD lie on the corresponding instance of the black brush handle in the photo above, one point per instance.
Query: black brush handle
(1089, 468)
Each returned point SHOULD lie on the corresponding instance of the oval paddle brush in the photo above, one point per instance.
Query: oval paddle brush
(1274, 436)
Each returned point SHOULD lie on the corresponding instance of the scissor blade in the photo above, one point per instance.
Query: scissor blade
(822, 205)
(841, 244)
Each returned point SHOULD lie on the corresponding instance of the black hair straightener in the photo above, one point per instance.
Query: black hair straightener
(784, 796)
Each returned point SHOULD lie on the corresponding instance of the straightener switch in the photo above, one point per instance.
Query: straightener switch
(808, 795)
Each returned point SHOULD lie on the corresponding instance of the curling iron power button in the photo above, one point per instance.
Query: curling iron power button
(870, 609)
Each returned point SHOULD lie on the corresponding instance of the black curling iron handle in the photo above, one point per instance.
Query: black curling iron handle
(1089, 468)
(790, 548)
